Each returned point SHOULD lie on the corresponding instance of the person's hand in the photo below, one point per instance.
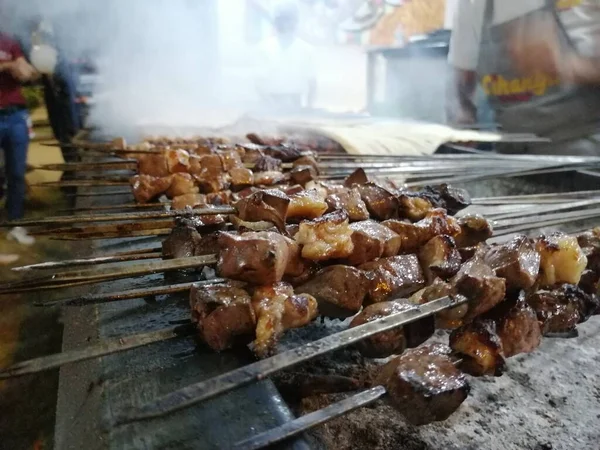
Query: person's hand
(536, 48)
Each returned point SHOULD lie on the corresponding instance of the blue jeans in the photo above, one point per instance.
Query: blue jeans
(14, 140)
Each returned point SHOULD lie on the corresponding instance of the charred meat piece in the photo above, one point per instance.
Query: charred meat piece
(208, 245)
(372, 240)
(478, 282)
(590, 244)
(325, 238)
(448, 319)
(267, 164)
(303, 175)
(154, 165)
(590, 282)
(340, 290)
(424, 385)
(415, 235)
(307, 161)
(182, 183)
(451, 199)
(381, 203)
(398, 276)
(283, 152)
(211, 176)
(350, 201)
(517, 261)
(181, 243)
(517, 326)
(560, 309)
(258, 258)
(413, 206)
(223, 314)
(252, 152)
(188, 200)
(306, 205)
(230, 159)
(479, 347)
(268, 178)
(299, 310)
(357, 177)
(562, 260)
(241, 178)
(466, 253)
(439, 258)
(146, 187)
(265, 205)
(219, 198)
(178, 161)
(474, 230)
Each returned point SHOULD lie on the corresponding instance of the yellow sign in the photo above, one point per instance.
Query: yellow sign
(567, 4)
(499, 86)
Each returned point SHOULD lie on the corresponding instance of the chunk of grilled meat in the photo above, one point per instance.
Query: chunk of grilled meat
(517, 261)
(147, 187)
(281, 151)
(180, 202)
(181, 184)
(306, 205)
(479, 347)
(381, 203)
(439, 257)
(590, 245)
(372, 240)
(424, 385)
(277, 309)
(303, 175)
(448, 319)
(474, 230)
(348, 200)
(562, 260)
(267, 163)
(357, 177)
(267, 179)
(398, 276)
(450, 198)
(307, 160)
(264, 205)
(241, 178)
(561, 308)
(590, 282)
(258, 258)
(178, 160)
(153, 164)
(394, 341)
(415, 235)
(181, 242)
(328, 237)
(340, 290)
(412, 206)
(223, 314)
(478, 282)
(230, 159)
(210, 175)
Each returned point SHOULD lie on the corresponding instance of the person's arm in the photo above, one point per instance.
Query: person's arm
(22, 71)
(462, 58)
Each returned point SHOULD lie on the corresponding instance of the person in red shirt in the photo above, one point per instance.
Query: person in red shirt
(14, 130)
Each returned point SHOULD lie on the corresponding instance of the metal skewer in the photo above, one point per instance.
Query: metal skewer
(259, 370)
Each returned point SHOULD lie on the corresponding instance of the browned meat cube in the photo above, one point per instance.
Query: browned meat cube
(448, 319)
(223, 314)
(466, 253)
(559, 310)
(230, 159)
(270, 178)
(424, 385)
(357, 177)
(306, 205)
(181, 242)
(153, 164)
(266, 205)
(590, 282)
(474, 230)
(258, 258)
(372, 240)
(381, 203)
(219, 198)
(562, 260)
(188, 200)
(307, 160)
(208, 245)
(178, 161)
(517, 261)
(450, 198)
(348, 200)
(267, 164)
(146, 187)
(325, 238)
(479, 347)
(340, 290)
(398, 276)
(182, 183)
(590, 245)
(303, 175)
(439, 258)
(517, 326)
(478, 282)
(211, 177)
(241, 178)
(413, 207)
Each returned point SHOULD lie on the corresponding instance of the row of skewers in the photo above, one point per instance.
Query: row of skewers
(354, 250)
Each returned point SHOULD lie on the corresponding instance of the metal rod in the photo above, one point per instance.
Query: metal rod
(548, 209)
(125, 164)
(526, 198)
(105, 348)
(259, 370)
(87, 262)
(308, 421)
(160, 205)
(94, 236)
